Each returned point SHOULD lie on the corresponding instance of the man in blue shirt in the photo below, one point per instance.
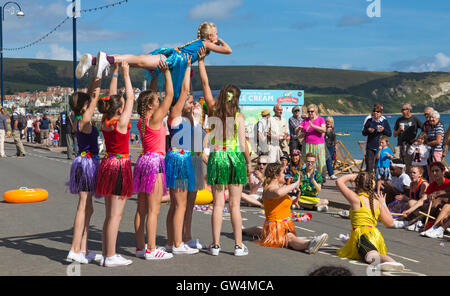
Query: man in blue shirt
(373, 129)
(45, 126)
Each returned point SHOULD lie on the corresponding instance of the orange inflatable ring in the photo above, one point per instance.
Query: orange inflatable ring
(204, 197)
(25, 195)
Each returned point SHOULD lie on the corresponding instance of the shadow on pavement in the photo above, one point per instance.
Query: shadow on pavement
(40, 244)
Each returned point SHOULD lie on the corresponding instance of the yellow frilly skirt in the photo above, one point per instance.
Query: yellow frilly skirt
(350, 249)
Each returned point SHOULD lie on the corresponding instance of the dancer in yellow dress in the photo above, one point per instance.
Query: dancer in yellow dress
(366, 242)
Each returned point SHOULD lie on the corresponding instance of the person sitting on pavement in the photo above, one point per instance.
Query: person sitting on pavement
(437, 193)
(256, 180)
(418, 187)
(366, 242)
(441, 225)
(279, 230)
(398, 187)
(311, 182)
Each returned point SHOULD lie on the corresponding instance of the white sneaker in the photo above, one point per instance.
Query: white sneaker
(196, 244)
(102, 65)
(92, 256)
(116, 260)
(344, 238)
(316, 243)
(140, 253)
(76, 257)
(83, 66)
(240, 250)
(391, 266)
(400, 224)
(102, 261)
(415, 227)
(158, 254)
(333, 177)
(184, 249)
(322, 209)
(435, 233)
(214, 250)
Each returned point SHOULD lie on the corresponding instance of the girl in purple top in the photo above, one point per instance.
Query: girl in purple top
(83, 173)
(314, 128)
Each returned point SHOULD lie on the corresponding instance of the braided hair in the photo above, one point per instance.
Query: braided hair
(271, 171)
(365, 184)
(202, 32)
(145, 98)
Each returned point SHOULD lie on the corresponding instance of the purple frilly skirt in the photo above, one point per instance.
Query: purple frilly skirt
(146, 170)
(83, 175)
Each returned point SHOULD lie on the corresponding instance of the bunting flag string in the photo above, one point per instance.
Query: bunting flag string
(61, 23)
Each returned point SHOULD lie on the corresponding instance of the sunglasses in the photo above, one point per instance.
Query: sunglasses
(404, 109)
(376, 111)
(297, 111)
(310, 161)
(310, 111)
(262, 163)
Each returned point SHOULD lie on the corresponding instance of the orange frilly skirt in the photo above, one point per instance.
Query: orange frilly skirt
(275, 233)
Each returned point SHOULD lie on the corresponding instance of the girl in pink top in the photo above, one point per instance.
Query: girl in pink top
(314, 128)
(149, 178)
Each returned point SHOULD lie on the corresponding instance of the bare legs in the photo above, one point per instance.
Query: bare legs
(235, 210)
(139, 220)
(81, 223)
(154, 206)
(146, 61)
(114, 206)
(294, 242)
(175, 217)
(187, 235)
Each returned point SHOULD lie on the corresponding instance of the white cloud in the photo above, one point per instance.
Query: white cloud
(57, 53)
(439, 62)
(218, 9)
(346, 66)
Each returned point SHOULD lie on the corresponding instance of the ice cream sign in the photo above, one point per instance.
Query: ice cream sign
(271, 97)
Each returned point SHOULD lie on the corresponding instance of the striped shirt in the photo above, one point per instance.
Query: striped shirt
(433, 131)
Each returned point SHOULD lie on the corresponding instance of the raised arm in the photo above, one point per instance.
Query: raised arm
(282, 191)
(209, 99)
(219, 47)
(163, 109)
(114, 80)
(349, 195)
(124, 119)
(385, 214)
(94, 92)
(178, 108)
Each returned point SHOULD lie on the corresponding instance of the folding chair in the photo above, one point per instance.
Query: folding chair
(345, 161)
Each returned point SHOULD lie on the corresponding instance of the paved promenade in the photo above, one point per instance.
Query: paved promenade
(35, 238)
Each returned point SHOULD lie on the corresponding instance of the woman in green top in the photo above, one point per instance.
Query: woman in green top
(228, 159)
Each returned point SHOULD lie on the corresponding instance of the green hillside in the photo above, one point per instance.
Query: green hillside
(334, 91)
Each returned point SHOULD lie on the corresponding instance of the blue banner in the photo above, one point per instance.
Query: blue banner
(262, 97)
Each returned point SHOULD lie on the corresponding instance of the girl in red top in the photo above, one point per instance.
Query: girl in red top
(149, 177)
(115, 181)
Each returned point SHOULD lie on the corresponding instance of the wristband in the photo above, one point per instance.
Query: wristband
(188, 68)
(115, 75)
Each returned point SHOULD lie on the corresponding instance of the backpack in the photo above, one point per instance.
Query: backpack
(22, 122)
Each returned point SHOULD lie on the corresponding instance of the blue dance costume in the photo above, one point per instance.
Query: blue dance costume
(177, 65)
(181, 159)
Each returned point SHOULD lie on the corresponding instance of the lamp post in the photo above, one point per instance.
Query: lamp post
(19, 14)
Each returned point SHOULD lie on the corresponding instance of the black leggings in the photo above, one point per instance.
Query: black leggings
(364, 246)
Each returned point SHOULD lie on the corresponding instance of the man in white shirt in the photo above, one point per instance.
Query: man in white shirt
(398, 188)
(261, 132)
(278, 135)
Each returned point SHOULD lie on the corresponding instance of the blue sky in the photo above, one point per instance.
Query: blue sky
(410, 35)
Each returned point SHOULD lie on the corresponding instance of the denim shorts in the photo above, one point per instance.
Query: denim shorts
(383, 174)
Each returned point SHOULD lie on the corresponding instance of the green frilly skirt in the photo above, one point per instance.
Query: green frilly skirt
(226, 167)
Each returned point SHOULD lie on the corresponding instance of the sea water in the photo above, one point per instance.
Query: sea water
(353, 125)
